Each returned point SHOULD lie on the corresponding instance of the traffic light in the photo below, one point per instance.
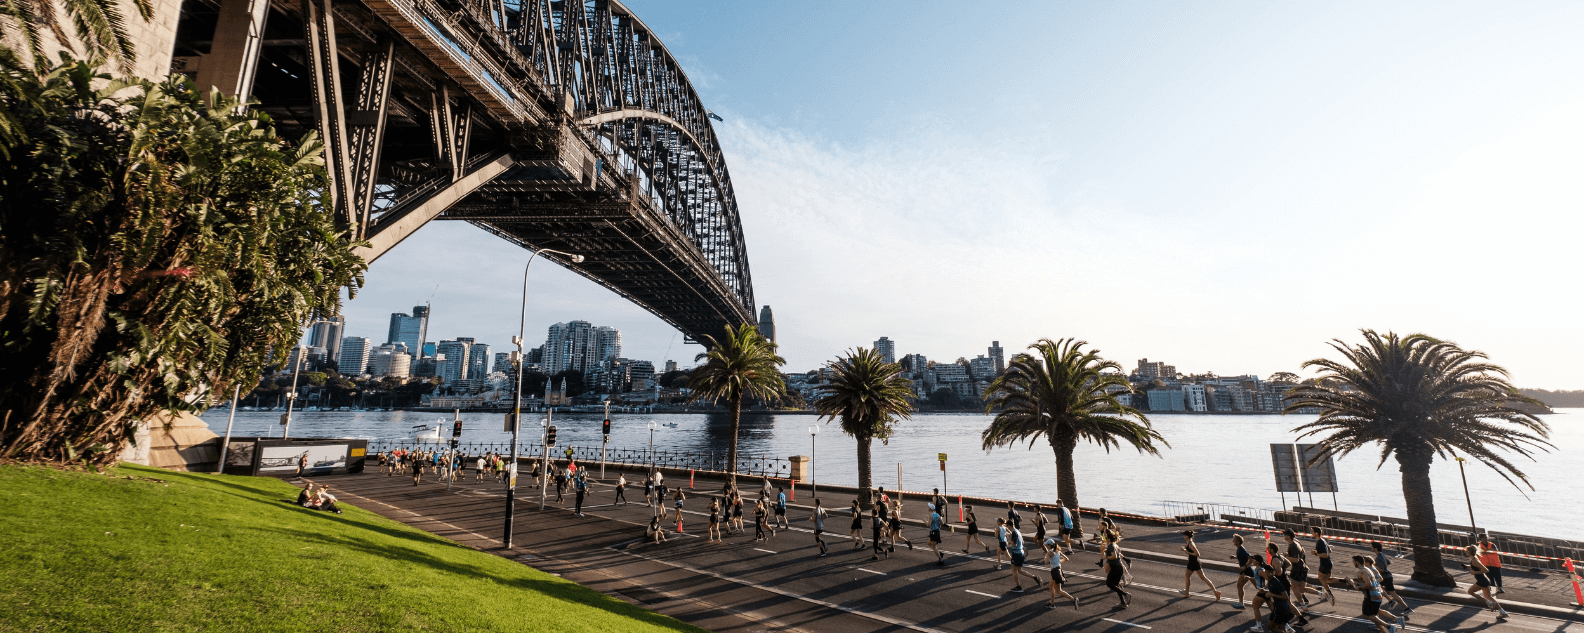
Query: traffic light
(550, 436)
(456, 431)
(607, 427)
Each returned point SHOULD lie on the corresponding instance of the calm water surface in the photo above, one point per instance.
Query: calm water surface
(1212, 459)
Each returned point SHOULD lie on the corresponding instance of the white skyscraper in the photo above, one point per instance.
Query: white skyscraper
(479, 361)
(455, 365)
(579, 346)
(887, 349)
(391, 360)
(354, 356)
(327, 334)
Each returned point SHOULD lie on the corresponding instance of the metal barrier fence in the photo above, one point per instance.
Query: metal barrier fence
(747, 463)
(1191, 511)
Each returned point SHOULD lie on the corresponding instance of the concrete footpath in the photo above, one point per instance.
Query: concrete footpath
(783, 583)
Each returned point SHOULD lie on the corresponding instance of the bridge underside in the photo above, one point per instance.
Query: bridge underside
(563, 125)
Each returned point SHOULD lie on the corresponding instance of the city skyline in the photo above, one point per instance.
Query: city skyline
(1167, 194)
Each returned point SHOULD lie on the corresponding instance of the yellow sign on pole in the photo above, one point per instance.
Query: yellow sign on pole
(943, 457)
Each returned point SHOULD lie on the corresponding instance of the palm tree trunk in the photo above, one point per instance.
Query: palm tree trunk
(731, 450)
(865, 477)
(1064, 441)
(1414, 462)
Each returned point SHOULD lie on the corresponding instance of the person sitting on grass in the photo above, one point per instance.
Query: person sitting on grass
(305, 498)
(327, 501)
(656, 533)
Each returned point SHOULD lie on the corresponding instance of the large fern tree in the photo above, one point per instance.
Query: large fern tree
(1064, 394)
(156, 245)
(1418, 398)
(870, 397)
(741, 364)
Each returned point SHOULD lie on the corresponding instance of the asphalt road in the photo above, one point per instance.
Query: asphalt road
(782, 583)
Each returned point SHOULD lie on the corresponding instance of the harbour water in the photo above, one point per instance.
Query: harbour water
(1221, 459)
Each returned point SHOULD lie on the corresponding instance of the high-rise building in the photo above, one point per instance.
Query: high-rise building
(410, 329)
(354, 356)
(455, 365)
(640, 375)
(1147, 369)
(326, 333)
(391, 359)
(502, 362)
(997, 357)
(982, 367)
(608, 345)
(479, 361)
(767, 323)
(296, 359)
(579, 346)
(887, 349)
(915, 363)
(670, 366)
(535, 356)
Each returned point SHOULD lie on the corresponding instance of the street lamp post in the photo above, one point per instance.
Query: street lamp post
(651, 449)
(1466, 498)
(813, 483)
(291, 396)
(606, 441)
(522, 322)
(226, 443)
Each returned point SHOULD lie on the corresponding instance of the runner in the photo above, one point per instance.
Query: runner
(649, 490)
(712, 535)
(1114, 569)
(818, 517)
(1297, 573)
(1367, 583)
(856, 530)
(1015, 548)
(884, 508)
(1256, 565)
(896, 524)
(1491, 559)
(973, 531)
(1323, 550)
(935, 535)
(1246, 573)
(1014, 520)
(478, 469)
(1382, 566)
(1279, 594)
(942, 505)
(759, 520)
(1104, 525)
(1068, 533)
(1482, 582)
(621, 490)
(560, 482)
(417, 471)
(1039, 527)
(737, 510)
(679, 498)
(580, 487)
(1194, 567)
(1054, 558)
(1001, 540)
(780, 507)
(877, 523)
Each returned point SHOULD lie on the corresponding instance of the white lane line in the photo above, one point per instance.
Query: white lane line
(763, 550)
(877, 573)
(1127, 623)
(776, 590)
(981, 593)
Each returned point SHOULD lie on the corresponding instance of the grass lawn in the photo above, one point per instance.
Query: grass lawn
(198, 552)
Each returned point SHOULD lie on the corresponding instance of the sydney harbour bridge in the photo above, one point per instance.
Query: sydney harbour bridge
(552, 124)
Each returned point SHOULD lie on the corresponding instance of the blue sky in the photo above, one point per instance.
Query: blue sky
(1223, 186)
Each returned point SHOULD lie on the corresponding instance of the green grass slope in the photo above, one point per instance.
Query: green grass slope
(198, 552)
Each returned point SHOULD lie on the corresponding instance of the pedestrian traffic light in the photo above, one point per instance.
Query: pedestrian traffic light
(550, 436)
(607, 427)
(456, 431)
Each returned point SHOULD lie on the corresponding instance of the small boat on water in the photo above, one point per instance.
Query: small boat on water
(428, 433)
(669, 425)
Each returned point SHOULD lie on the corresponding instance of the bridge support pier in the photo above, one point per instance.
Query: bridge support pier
(233, 59)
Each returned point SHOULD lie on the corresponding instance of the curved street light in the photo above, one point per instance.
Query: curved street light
(813, 483)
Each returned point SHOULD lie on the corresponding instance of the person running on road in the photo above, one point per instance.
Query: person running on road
(1280, 596)
(1114, 569)
(1297, 567)
(884, 508)
(1015, 548)
(856, 530)
(679, 498)
(1014, 520)
(1482, 581)
(877, 524)
(1491, 559)
(737, 511)
(579, 487)
(1103, 526)
(1054, 558)
(1067, 527)
(1001, 540)
(818, 517)
(941, 504)
(1194, 567)
(896, 525)
(1260, 597)
(759, 520)
(1039, 526)
(1368, 583)
(1246, 573)
(973, 531)
(417, 471)
(712, 534)
(1382, 566)
(478, 469)
(935, 535)
(781, 507)
(1323, 551)
(561, 482)
(649, 491)
(621, 490)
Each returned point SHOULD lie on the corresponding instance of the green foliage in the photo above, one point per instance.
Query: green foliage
(869, 396)
(98, 27)
(1065, 394)
(1418, 398)
(742, 364)
(944, 399)
(150, 550)
(152, 247)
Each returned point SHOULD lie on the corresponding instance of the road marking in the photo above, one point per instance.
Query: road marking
(981, 593)
(776, 590)
(1127, 623)
(763, 550)
(877, 573)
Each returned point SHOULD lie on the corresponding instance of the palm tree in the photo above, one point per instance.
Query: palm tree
(1065, 394)
(869, 395)
(743, 364)
(1418, 397)
(100, 29)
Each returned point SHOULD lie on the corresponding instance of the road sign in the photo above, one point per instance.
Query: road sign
(941, 456)
(1319, 476)
(1285, 461)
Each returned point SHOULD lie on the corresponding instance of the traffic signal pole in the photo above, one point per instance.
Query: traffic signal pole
(606, 442)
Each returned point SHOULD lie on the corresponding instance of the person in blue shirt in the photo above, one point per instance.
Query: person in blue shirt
(780, 507)
(1015, 548)
(1001, 540)
(1054, 558)
(934, 534)
(580, 486)
(1065, 517)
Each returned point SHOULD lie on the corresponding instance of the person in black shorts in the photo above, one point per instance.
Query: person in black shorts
(1322, 550)
(1278, 592)
(896, 524)
(818, 517)
(1382, 567)
(1194, 566)
(935, 536)
(877, 523)
(1039, 526)
(1001, 540)
(1114, 569)
(1246, 573)
(1054, 558)
(856, 529)
(1297, 572)
(712, 534)
(1014, 520)
(973, 531)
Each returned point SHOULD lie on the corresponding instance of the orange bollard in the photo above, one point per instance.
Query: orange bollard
(792, 484)
(1268, 559)
(960, 516)
(690, 479)
(1578, 596)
